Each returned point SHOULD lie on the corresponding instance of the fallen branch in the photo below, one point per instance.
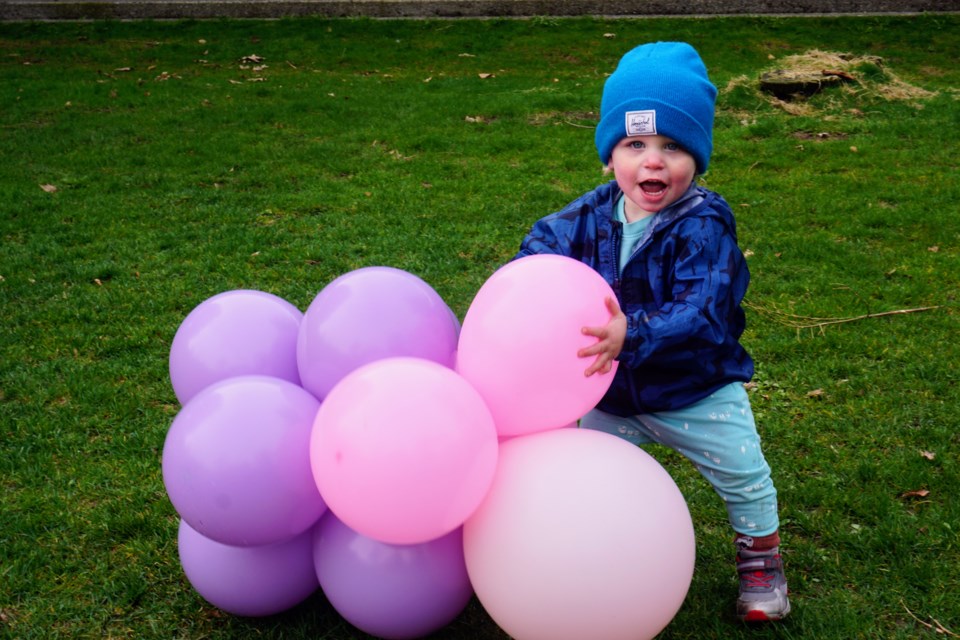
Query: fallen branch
(829, 321)
(939, 628)
(807, 322)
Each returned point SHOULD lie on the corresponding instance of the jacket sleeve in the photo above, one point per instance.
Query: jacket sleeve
(573, 231)
(704, 284)
(543, 238)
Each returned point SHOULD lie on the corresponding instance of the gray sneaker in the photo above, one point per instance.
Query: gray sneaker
(763, 586)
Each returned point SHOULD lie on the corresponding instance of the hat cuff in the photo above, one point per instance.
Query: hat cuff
(671, 122)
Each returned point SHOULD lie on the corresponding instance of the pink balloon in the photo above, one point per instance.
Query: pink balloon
(519, 342)
(582, 535)
(403, 450)
(367, 315)
(232, 334)
(236, 461)
(391, 591)
(249, 581)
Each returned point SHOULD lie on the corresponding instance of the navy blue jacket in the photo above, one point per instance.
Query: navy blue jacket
(681, 291)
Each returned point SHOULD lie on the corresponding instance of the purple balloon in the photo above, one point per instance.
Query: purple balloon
(391, 591)
(235, 333)
(236, 461)
(370, 314)
(249, 581)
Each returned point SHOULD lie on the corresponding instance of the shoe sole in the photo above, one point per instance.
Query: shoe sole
(759, 616)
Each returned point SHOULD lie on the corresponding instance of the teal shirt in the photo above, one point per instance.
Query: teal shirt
(632, 232)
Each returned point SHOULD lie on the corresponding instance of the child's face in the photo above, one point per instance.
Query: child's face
(652, 171)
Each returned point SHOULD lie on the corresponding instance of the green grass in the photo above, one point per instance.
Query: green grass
(181, 172)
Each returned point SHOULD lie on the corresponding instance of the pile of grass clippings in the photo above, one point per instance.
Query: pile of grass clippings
(793, 79)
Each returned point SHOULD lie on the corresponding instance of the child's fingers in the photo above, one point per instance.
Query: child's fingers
(596, 332)
(602, 364)
(612, 305)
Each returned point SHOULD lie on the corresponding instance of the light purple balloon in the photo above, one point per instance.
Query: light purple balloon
(234, 333)
(249, 581)
(370, 314)
(391, 591)
(236, 461)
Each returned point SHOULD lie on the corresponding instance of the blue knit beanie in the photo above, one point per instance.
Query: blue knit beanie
(660, 88)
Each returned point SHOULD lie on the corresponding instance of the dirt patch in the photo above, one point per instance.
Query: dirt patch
(819, 135)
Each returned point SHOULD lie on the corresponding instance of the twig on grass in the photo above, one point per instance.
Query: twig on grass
(808, 322)
(939, 628)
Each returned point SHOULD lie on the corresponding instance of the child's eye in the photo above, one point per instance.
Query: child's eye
(671, 146)
(636, 144)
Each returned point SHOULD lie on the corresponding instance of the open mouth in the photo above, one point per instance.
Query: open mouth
(653, 187)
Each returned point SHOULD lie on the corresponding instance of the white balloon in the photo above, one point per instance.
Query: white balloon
(582, 535)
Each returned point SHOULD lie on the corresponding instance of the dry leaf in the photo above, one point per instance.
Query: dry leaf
(609, 35)
(256, 79)
(929, 455)
(251, 59)
(49, 188)
(122, 70)
(428, 79)
(484, 76)
(816, 393)
(919, 493)
(933, 249)
(466, 55)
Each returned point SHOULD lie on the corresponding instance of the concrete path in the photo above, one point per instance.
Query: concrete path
(17, 10)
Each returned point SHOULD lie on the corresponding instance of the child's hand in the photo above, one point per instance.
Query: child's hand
(610, 340)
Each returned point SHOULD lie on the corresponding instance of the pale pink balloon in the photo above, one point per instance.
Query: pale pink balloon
(403, 450)
(582, 535)
(519, 342)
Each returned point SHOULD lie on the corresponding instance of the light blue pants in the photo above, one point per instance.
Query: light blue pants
(719, 436)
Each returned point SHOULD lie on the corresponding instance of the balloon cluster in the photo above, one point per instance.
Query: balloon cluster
(369, 447)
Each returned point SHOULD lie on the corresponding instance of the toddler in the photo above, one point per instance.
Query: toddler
(668, 248)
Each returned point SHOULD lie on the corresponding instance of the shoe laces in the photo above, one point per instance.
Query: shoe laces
(759, 573)
(757, 580)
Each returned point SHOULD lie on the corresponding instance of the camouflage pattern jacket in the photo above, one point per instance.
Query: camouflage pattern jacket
(681, 291)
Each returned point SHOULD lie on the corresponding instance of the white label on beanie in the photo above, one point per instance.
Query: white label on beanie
(642, 123)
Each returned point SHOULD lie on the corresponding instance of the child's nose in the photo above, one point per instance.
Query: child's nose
(653, 159)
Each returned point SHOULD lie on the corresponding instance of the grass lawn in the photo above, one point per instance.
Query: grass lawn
(145, 167)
